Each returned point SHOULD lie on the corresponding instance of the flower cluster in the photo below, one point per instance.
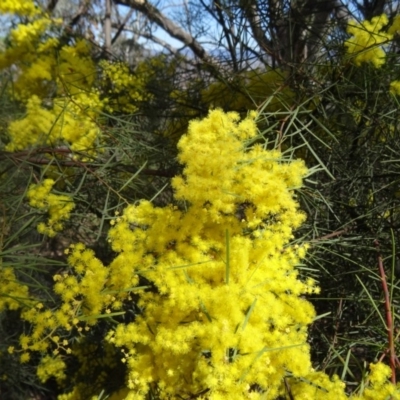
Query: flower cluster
(366, 43)
(87, 283)
(58, 207)
(13, 295)
(51, 367)
(225, 318)
(395, 27)
(83, 299)
(70, 117)
(123, 89)
(367, 40)
(58, 85)
(227, 312)
(30, 50)
(395, 87)
(19, 7)
(222, 314)
(317, 386)
(380, 388)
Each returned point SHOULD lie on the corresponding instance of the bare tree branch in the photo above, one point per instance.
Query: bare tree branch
(227, 32)
(120, 27)
(293, 34)
(83, 9)
(107, 28)
(153, 38)
(253, 16)
(232, 36)
(168, 25)
(51, 5)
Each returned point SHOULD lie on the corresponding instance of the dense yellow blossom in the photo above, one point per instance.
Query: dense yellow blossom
(58, 207)
(227, 312)
(367, 40)
(380, 388)
(51, 367)
(395, 27)
(395, 88)
(71, 118)
(13, 294)
(317, 386)
(224, 313)
(124, 89)
(19, 7)
(83, 300)
(26, 34)
(366, 43)
(58, 83)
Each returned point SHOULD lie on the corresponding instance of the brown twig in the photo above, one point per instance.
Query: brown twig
(331, 235)
(33, 157)
(389, 318)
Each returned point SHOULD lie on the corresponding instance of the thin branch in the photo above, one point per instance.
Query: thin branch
(35, 157)
(107, 28)
(227, 32)
(149, 36)
(250, 10)
(389, 318)
(83, 9)
(156, 16)
(331, 235)
(121, 27)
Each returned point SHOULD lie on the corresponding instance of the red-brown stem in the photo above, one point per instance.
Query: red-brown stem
(331, 235)
(389, 319)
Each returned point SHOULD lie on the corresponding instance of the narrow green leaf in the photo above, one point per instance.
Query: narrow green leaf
(249, 311)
